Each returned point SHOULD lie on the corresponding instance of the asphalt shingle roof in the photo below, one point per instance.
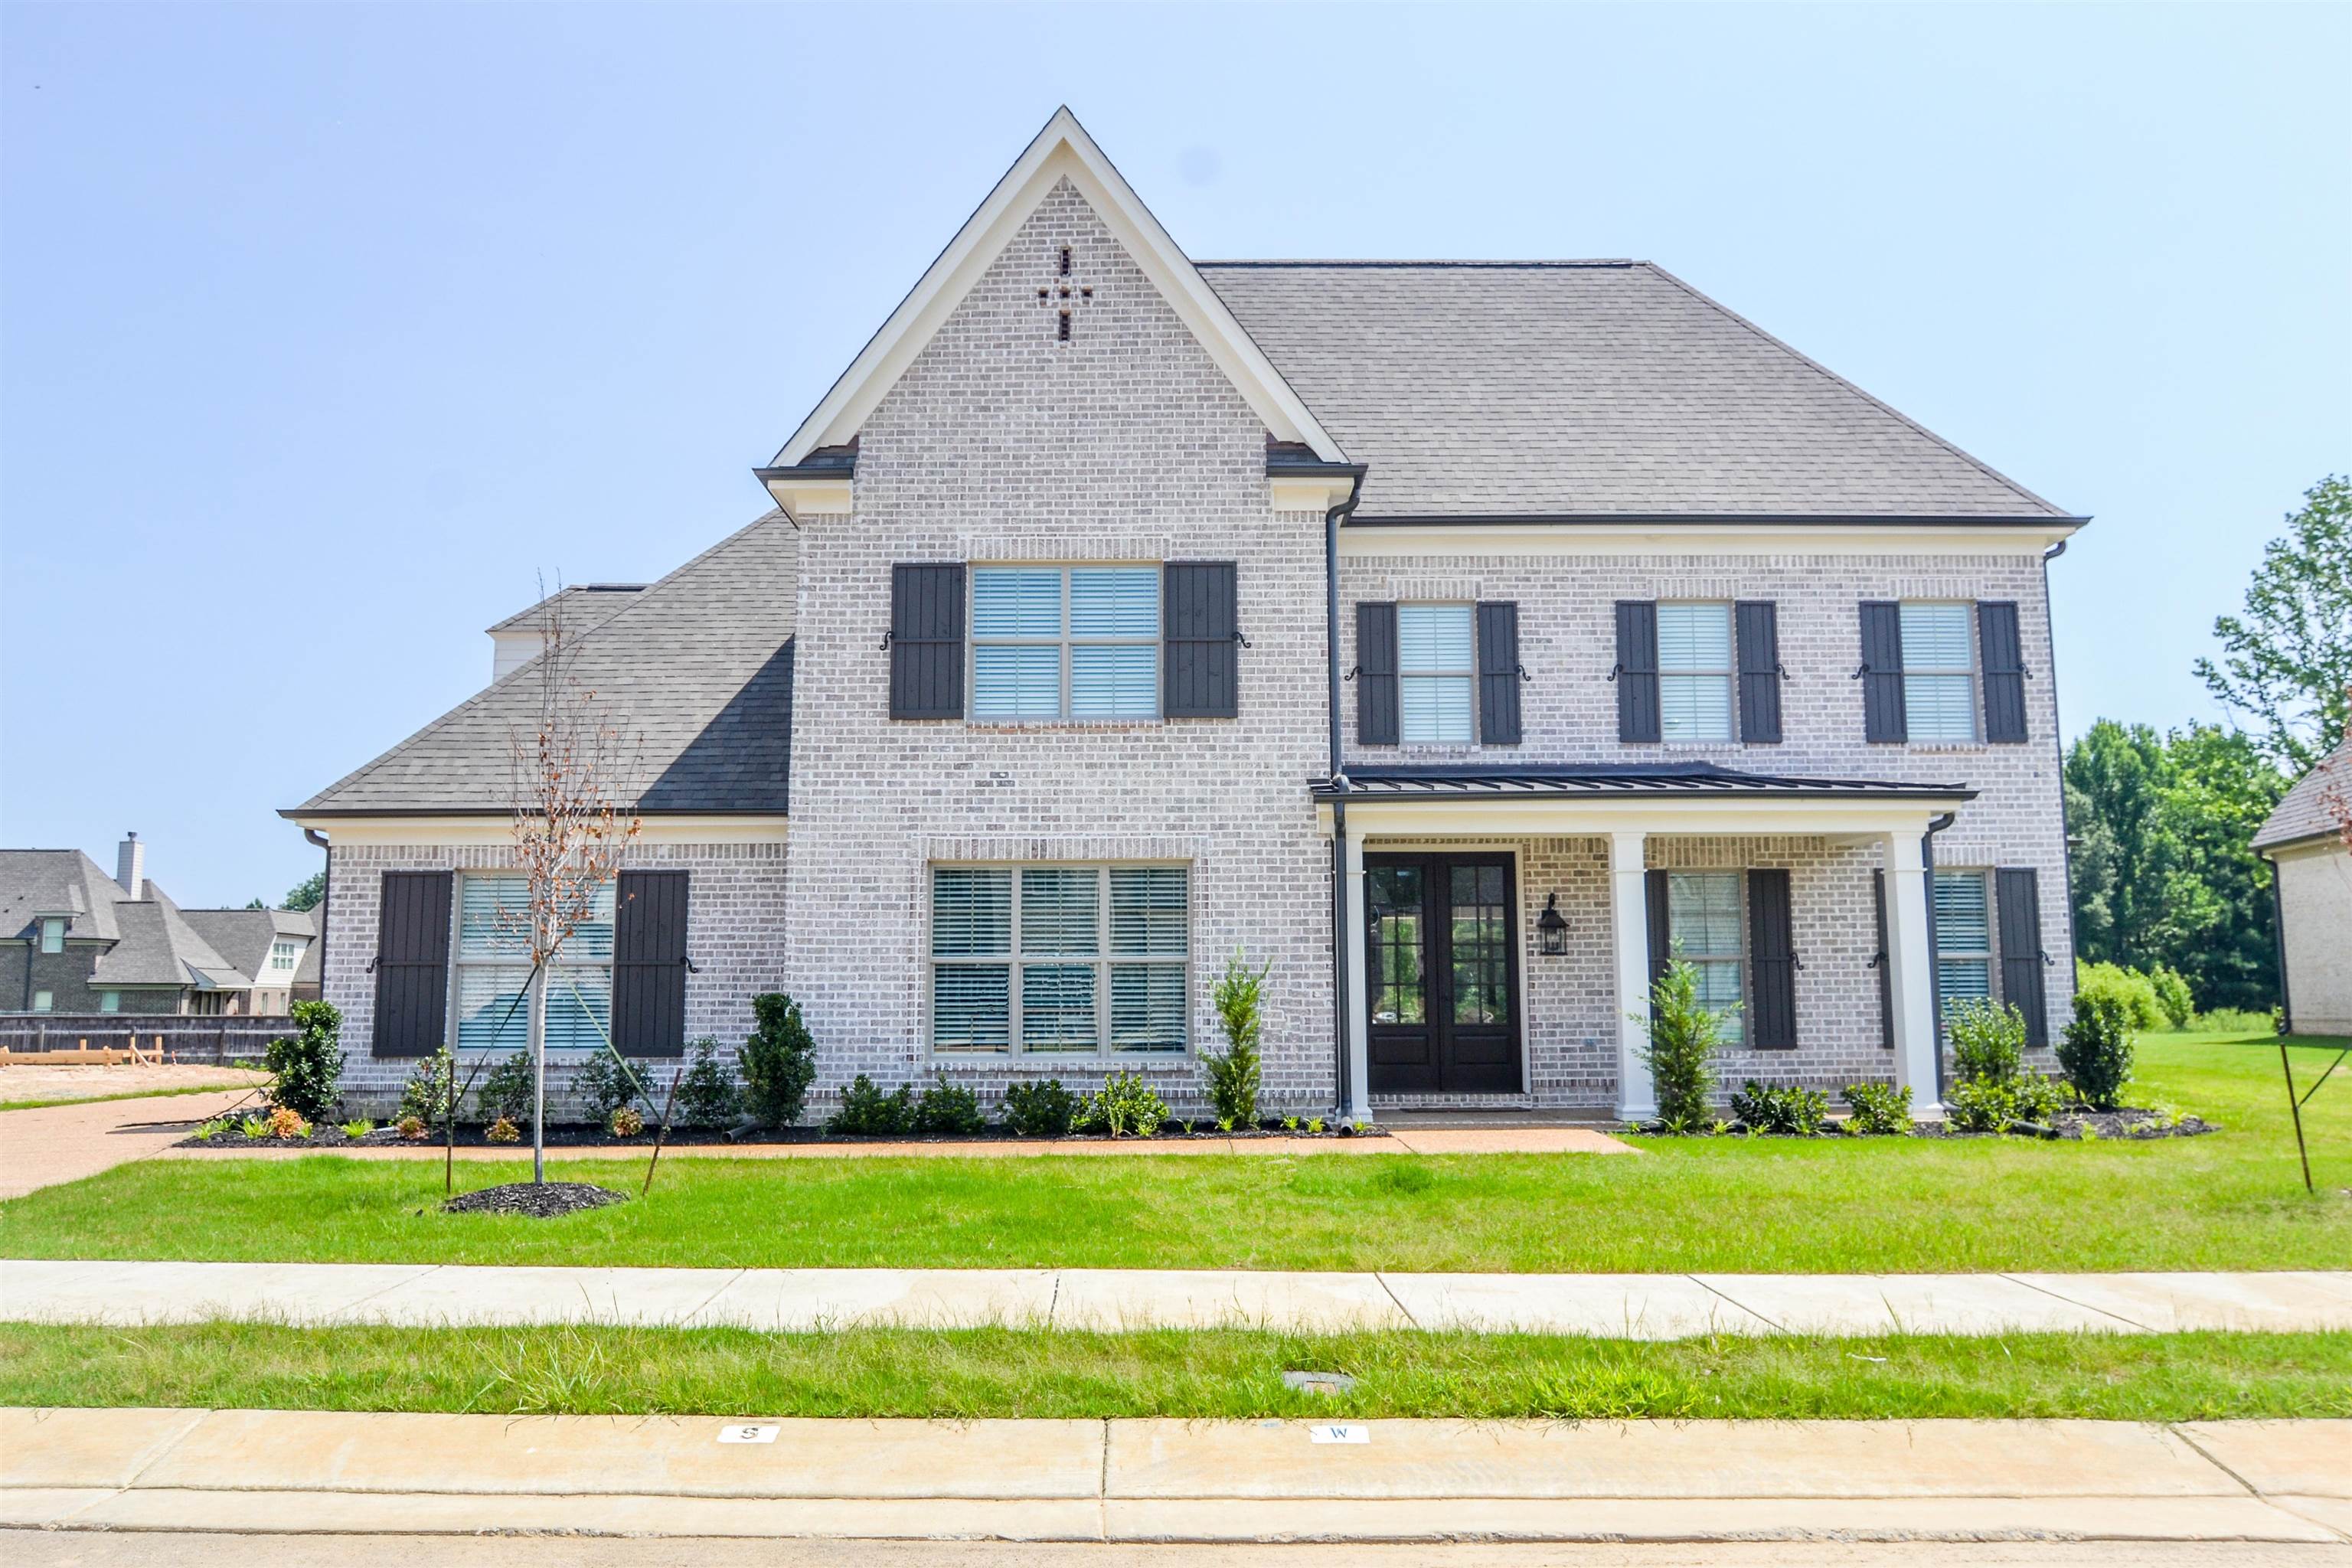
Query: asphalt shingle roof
(37, 882)
(697, 668)
(2304, 811)
(1594, 388)
(244, 937)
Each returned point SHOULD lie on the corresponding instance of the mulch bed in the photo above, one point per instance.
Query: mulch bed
(2129, 1124)
(539, 1200)
(324, 1135)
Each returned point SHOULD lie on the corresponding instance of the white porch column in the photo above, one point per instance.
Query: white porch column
(1359, 984)
(1637, 1100)
(1910, 973)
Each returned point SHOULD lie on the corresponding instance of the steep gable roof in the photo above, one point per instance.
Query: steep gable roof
(37, 882)
(1061, 151)
(2304, 812)
(159, 947)
(698, 666)
(1588, 388)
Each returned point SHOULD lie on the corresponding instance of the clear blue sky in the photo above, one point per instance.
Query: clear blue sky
(327, 327)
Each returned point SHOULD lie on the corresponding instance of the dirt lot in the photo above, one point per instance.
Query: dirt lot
(22, 1082)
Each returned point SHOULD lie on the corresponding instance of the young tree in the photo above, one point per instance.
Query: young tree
(573, 785)
(2287, 661)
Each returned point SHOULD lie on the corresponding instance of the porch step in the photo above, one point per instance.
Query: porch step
(1453, 1103)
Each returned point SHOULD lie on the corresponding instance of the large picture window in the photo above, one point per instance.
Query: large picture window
(1064, 642)
(1437, 673)
(1694, 672)
(1702, 918)
(1963, 937)
(493, 969)
(1059, 960)
(1939, 681)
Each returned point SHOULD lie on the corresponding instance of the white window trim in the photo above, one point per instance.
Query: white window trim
(458, 964)
(1735, 960)
(283, 953)
(1103, 961)
(1062, 642)
(53, 933)
(1728, 673)
(1468, 677)
(1971, 672)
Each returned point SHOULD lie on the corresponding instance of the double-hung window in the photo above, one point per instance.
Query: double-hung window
(1694, 672)
(1064, 642)
(1703, 920)
(493, 969)
(53, 935)
(1939, 672)
(1437, 674)
(1963, 937)
(1058, 960)
(283, 953)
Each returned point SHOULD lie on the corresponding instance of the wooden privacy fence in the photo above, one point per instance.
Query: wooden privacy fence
(57, 1039)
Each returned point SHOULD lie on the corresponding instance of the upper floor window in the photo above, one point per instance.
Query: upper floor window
(53, 935)
(109, 1001)
(1437, 673)
(1065, 642)
(1694, 672)
(1702, 920)
(284, 954)
(1939, 664)
(493, 969)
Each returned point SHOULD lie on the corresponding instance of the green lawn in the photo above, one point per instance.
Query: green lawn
(1009, 1372)
(2234, 1200)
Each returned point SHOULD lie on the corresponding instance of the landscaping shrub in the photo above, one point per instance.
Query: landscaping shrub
(1233, 1078)
(1125, 1107)
(2130, 988)
(707, 1096)
(779, 1061)
(1879, 1109)
(425, 1097)
(628, 1122)
(505, 1094)
(949, 1111)
(2172, 994)
(1987, 1041)
(1979, 1104)
(1681, 1048)
(2038, 1099)
(504, 1130)
(2095, 1049)
(288, 1122)
(309, 1068)
(1040, 1110)
(866, 1111)
(412, 1129)
(2238, 1021)
(606, 1084)
(1794, 1110)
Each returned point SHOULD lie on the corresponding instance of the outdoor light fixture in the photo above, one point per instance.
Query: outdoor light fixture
(1551, 931)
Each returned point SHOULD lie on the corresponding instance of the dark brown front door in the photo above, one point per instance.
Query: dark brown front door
(1442, 961)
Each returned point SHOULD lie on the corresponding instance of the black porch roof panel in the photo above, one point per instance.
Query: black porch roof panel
(1597, 779)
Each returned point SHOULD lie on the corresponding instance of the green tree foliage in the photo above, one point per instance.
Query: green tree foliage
(2287, 662)
(305, 894)
(2164, 874)
(778, 1060)
(1684, 1035)
(309, 1068)
(1233, 1079)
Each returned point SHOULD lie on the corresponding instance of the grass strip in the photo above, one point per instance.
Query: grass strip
(973, 1373)
(6, 1105)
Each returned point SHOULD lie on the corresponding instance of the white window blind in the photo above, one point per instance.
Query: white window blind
(1963, 936)
(1694, 672)
(1939, 672)
(1078, 642)
(1437, 671)
(1702, 920)
(493, 969)
(1059, 960)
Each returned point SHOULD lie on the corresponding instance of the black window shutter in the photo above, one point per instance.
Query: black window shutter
(1757, 634)
(1499, 674)
(927, 640)
(1882, 718)
(1883, 962)
(1772, 960)
(649, 963)
(1662, 941)
(2018, 894)
(1201, 626)
(1376, 675)
(2004, 671)
(412, 964)
(1637, 669)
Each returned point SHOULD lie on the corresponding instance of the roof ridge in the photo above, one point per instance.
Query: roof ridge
(1810, 362)
(1616, 261)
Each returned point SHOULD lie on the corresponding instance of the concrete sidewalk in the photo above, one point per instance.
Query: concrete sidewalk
(1620, 1306)
(240, 1470)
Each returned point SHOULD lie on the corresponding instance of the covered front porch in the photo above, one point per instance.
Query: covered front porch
(1505, 927)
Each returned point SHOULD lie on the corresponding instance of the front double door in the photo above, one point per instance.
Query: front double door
(1441, 962)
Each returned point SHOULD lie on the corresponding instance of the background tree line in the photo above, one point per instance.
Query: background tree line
(2164, 871)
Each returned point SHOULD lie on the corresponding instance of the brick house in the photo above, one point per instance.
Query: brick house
(1119, 613)
(2311, 870)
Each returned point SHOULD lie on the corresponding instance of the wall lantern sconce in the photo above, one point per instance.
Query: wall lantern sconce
(1551, 931)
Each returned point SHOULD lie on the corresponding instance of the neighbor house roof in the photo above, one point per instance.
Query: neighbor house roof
(1587, 389)
(244, 937)
(37, 882)
(2306, 811)
(695, 672)
(1475, 781)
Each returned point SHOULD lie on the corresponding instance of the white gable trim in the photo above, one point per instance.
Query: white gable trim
(1063, 149)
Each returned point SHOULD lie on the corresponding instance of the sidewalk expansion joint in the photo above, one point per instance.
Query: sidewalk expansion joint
(2062, 1296)
(2205, 1454)
(719, 1290)
(1410, 1322)
(1777, 1327)
(346, 1312)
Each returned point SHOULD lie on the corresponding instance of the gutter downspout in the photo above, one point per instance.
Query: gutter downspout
(1340, 935)
(326, 895)
(2058, 744)
(1935, 991)
(2278, 944)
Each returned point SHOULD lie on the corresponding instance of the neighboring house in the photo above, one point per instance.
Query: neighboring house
(1519, 622)
(73, 940)
(521, 637)
(2308, 842)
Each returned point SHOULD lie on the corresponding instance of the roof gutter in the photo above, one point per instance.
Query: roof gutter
(1340, 935)
(1712, 520)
